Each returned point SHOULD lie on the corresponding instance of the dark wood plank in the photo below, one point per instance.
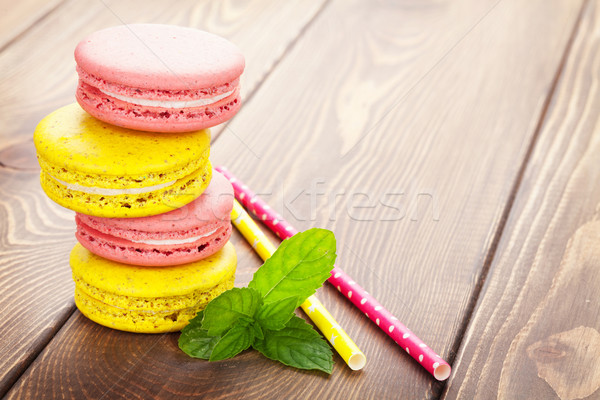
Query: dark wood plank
(18, 16)
(38, 76)
(535, 332)
(448, 95)
(35, 238)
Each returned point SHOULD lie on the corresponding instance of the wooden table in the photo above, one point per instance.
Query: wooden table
(452, 146)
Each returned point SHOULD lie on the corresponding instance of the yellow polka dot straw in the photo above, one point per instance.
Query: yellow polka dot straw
(315, 310)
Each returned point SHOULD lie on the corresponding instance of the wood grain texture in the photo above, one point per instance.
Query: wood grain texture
(399, 125)
(535, 331)
(38, 76)
(39, 70)
(18, 16)
(36, 237)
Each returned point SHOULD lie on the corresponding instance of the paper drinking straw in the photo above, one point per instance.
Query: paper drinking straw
(385, 320)
(332, 331)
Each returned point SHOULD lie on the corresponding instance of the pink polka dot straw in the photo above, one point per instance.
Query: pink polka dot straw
(414, 346)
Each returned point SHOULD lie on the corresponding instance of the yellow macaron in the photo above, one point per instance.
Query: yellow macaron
(146, 299)
(103, 170)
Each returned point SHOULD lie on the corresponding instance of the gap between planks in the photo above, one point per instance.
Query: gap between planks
(268, 73)
(513, 194)
(44, 342)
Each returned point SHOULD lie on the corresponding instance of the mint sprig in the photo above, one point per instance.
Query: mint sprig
(297, 345)
(195, 341)
(299, 267)
(236, 307)
(262, 315)
(276, 314)
(235, 340)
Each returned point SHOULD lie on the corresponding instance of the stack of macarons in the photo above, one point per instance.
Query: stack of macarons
(131, 158)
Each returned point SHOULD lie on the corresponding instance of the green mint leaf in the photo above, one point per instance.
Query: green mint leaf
(194, 341)
(297, 345)
(299, 266)
(276, 314)
(238, 339)
(262, 315)
(230, 307)
(258, 332)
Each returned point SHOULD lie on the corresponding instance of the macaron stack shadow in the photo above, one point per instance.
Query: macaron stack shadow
(132, 159)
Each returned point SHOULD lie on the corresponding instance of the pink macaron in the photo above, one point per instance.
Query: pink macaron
(159, 78)
(190, 233)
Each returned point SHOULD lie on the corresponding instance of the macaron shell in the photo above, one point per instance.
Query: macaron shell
(145, 282)
(156, 119)
(74, 148)
(156, 202)
(153, 255)
(192, 232)
(117, 90)
(151, 300)
(157, 56)
(70, 138)
(144, 321)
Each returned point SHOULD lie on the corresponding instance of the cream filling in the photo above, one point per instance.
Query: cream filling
(169, 104)
(112, 192)
(170, 242)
